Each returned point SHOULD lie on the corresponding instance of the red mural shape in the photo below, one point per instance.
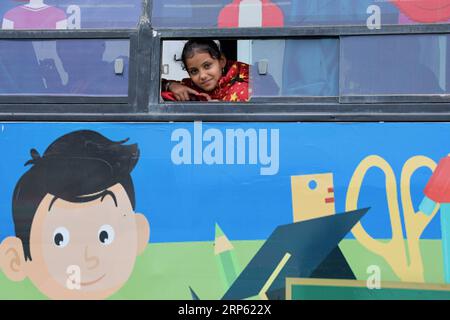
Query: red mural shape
(271, 14)
(438, 187)
(425, 11)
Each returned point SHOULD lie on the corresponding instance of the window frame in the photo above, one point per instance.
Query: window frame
(74, 103)
(356, 108)
(143, 103)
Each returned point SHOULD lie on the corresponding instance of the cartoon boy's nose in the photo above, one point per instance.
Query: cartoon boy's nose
(92, 261)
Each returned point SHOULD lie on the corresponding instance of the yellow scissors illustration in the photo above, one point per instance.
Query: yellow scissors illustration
(404, 257)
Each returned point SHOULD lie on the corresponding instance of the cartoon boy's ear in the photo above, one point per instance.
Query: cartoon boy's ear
(12, 259)
(143, 231)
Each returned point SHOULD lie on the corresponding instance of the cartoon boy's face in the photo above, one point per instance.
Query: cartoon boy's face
(81, 250)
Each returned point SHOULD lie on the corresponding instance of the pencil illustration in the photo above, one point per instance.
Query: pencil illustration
(226, 259)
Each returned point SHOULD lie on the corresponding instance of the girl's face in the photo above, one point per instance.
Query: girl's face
(204, 70)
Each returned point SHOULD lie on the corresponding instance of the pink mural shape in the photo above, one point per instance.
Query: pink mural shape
(423, 11)
(251, 13)
(35, 15)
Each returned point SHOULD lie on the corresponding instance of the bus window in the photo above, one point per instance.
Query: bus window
(69, 14)
(208, 71)
(281, 13)
(288, 68)
(64, 67)
(300, 67)
(395, 65)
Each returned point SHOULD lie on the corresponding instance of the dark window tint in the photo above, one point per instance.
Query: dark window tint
(281, 13)
(64, 67)
(69, 14)
(395, 65)
(304, 67)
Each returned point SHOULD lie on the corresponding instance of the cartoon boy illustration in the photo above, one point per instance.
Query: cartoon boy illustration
(77, 235)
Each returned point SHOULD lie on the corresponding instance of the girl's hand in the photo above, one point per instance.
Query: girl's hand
(205, 95)
(181, 92)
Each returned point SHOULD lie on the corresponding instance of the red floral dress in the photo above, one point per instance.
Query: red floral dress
(233, 86)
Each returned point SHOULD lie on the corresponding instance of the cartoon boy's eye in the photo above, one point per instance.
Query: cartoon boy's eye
(61, 237)
(106, 234)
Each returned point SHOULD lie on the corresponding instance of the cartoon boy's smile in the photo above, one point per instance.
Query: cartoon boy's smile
(92, 282)
(82, 239)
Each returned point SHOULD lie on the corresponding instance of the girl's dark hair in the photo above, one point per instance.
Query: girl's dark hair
(200, 45)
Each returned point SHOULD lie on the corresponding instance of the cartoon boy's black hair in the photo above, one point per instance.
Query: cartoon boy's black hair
(200, 45)
(75, 165)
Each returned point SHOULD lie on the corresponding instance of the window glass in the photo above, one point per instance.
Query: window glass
(186, 13)
(341, 12)
(395, 65)
(303, 67)
(280, 13)
(69, 14)
(64, 67)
